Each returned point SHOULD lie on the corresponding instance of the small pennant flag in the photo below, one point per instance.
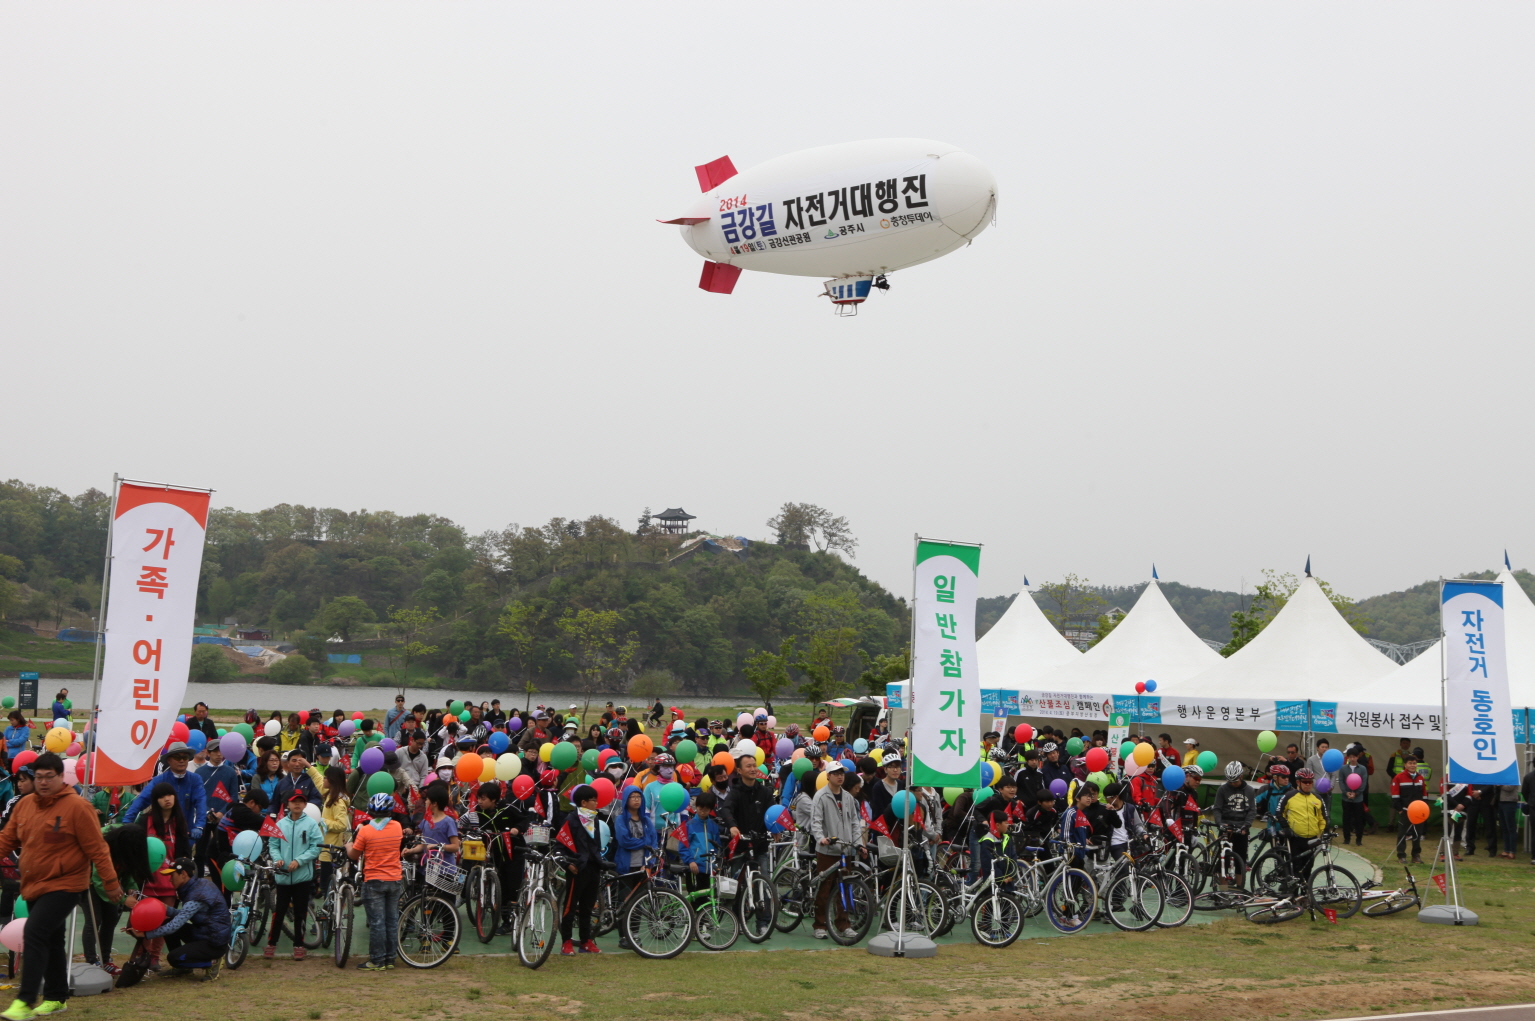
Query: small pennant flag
(1439, 882)
(681, 833)
(565, 838)
(1506, 564)
(221, 792)
(1308, 565)
(786, 820)
(269, 828)
(878, 825)
(1154, 576)
(1332, 915)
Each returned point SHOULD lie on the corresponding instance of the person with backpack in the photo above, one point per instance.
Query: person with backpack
(197, 933)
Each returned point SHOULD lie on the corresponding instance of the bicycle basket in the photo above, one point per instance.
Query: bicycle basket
(444, 875)
(474, 850)
(538, 836)
(728, 886)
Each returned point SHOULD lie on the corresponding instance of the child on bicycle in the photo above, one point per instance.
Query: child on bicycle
(502, 826)
(703, 833)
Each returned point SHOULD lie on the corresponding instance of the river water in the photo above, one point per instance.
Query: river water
(266, 697)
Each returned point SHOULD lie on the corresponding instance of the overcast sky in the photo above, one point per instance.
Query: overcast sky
(1260, 285)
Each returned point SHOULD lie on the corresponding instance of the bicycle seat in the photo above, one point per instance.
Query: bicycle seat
(678, 870)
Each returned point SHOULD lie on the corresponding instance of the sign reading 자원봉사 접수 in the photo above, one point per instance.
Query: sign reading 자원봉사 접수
(1478, 716)
(157, 557)
(945, 676)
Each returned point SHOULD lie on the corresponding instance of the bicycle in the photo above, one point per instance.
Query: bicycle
(1333, 886)
(332, 914)
(757, 898)
(482, 887)
(996, 915)
(714, 925)
(429, 928)
(250, 914)
(925, 907)
(656, 920)
(1278, 893)
(535, 918)
(1378, 903)
(1132, 900)
(852, 894)
(1226, 871)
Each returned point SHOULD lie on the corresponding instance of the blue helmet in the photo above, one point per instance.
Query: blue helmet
(381, 804)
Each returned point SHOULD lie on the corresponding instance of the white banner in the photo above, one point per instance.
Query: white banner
(945, 675)
(1478, 713)
(157, 558)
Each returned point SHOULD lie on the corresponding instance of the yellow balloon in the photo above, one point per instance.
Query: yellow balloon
(820, 780)
(642, 727)
(508, 766)
(488, 770)
(1143, 754)
(761, 756)
(57, 739)
(545, 750)
(877, 754)
(705, 784)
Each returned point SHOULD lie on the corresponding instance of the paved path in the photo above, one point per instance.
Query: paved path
(1513, 1012)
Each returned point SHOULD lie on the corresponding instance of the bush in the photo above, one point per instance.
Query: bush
(210, 665)
(292, 670)
(485, 675)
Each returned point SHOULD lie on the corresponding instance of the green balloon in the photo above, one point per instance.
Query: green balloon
(1074, 746)
(673, 797)
(156, 853)
(588, 760)
(222, 731)
(803, 765)
(563, 755)
(245, 731)
(1127, 749)
(8, 702)
(1101, 779)
(1207, 761)
(465, 716)
(21, 909)
(1267, 740)
(380, 782)
(456, 708)
(686, 751)
(951, 794)
(234, 877)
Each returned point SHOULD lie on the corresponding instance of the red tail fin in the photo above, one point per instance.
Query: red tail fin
(713, 174)
(719, 277)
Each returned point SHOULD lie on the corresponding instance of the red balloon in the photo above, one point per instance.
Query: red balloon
(1140, 687)
(357, 715)
(522, 786)
(1097, 759)
(1023, 732)
(179, 731)
(22, 759)
(603, 757)
(606, 792)
(147, 914)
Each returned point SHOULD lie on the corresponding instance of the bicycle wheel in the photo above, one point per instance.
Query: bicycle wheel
(855, 897)
(716, 926)
(756, 907)
(1264, 876)
(1201, 869)
(925, 910)
(239, 946)
(341, 936)
(1389, 904)
(429, 930)
(659, 924)
(1177, 900)
(793, 900)
(537, 929)
(1333, 886)
(263, 901)
(323, 911)
(1071, 899)
(1269, 912)
(487, 904)
(1133, 902)
(948, 888)
(605, 914)
(996, 920)
(470, 894)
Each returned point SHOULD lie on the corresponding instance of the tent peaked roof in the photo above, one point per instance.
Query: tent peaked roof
(1307, 651)
(1150, 643)
(1021, 646)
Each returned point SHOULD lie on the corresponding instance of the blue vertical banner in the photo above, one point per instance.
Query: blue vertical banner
(1479, 716)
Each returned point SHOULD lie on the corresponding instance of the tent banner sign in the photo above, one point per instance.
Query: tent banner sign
(1478, 712)
(945, 672)
(1386, 719)
(157, 559)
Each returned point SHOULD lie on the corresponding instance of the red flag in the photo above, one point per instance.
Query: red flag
(786, 820)
(1332, 915)
(361, 818)
(1439, 882)
(878, 825)
(565, 838)
(730, 852)
(399, 804)
(681, 833)
(220, 792)
(916, 817)
(269, 828)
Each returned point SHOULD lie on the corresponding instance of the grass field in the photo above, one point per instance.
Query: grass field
(48, 656)
(1229, 969)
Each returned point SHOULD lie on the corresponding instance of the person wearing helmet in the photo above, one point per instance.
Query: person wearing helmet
(1303, 818)
(1271, 795)
(1180, 808)
(377, 845)
(1234, 810)
(837, 746)
(765, 739)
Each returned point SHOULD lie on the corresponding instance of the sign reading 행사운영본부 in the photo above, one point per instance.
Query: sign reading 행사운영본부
(945, 675)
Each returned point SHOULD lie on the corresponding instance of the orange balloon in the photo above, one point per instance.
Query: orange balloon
(820, 733)
(724, 759)
(468, 767)
(798, 753)
(640, 748)
(1417, 813)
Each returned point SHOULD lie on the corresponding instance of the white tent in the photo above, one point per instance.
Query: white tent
(1417, 682)
(1308, 651)
(1021, 646)
(1150, 643)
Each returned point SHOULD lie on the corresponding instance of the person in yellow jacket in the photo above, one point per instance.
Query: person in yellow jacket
(1304, 817)
(335, 819)
(1191, 751)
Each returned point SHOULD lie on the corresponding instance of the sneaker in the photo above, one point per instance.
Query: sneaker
(154, 965)
(212, 971)
(389, 964)
(370, 966)
(821, 934)
(270, 951)
(111, 969)
(589, 947)
(849, 935)
(1417, 860)
(17, 1011)
(568, 949)
(50, 1007)
(299, 953)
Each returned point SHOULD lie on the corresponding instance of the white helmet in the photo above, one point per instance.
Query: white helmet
(1233, 769)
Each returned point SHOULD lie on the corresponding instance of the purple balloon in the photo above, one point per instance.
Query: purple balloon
(1058, 788)
(514, 724)
(1323, 784)
(784, 748)
(387, 744)
(233, 746)
(372, 760)
(346, 728)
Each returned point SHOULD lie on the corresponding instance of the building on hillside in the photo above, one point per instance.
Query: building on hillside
(674, 521)
(1083, 631)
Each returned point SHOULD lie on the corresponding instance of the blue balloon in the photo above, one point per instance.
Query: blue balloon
(604, 834)
(1173, 778)
(988, 774)
(860, 746)
(247, 845)
(182, 718)
(499, 742)
(197, 740)
(774, 818)
(1332, 760)
(902, 804)
(849, 765)
(1151, 685)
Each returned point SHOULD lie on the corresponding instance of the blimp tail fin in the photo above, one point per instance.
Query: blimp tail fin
(713, 174)
(719, 277)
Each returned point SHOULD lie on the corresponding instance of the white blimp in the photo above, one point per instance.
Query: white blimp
(852, 212)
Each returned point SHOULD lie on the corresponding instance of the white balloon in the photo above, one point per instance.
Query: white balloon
(313, 811)
(508, 767)
(272, 728)
(772, 723)
(761, 710)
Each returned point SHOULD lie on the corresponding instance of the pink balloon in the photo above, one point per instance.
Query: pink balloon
(13, 933)
(73, 749)
(1353, 781)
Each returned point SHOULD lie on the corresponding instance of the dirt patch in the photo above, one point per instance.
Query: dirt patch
(558, 1004)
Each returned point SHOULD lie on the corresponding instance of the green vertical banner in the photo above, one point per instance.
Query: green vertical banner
(945, 677)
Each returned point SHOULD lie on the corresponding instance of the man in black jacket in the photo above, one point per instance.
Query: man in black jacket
(1030, 780)
(742, 812)
(199, 721)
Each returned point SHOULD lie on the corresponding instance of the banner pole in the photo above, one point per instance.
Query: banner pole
(101, 635)
(1451, 913)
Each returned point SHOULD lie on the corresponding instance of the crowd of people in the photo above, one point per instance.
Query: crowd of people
(393, 789)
